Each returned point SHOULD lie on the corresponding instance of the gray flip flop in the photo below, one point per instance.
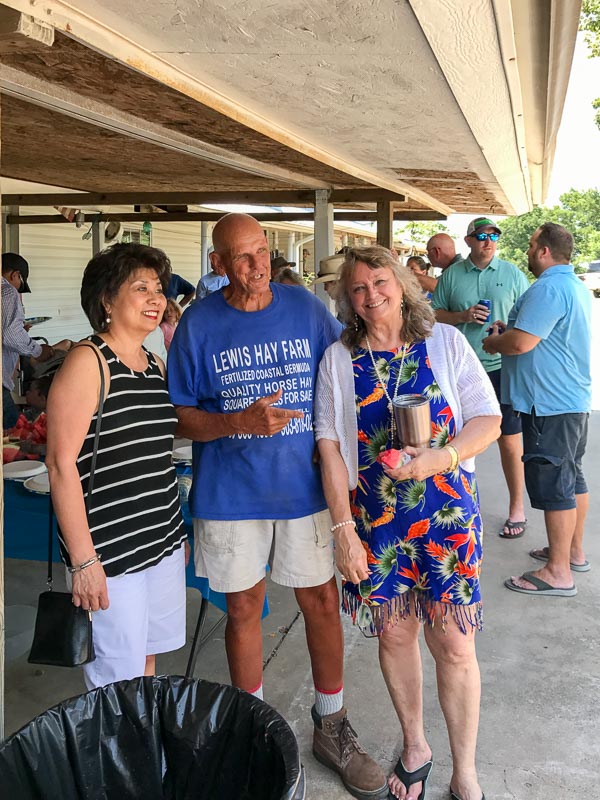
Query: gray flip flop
(522, 524)
(541, 554)
(542, 588)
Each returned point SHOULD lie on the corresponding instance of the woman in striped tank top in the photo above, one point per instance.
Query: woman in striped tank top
(125, 553)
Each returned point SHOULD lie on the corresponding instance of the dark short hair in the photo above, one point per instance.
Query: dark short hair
(423, 265)
(43, 384)
(107, 272)
(557, 239)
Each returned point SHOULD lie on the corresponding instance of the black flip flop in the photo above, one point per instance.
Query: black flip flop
(421, 774)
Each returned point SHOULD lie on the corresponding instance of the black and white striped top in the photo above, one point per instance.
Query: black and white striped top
(135, 518)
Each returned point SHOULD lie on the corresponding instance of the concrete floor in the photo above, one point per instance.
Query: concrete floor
(540, 728)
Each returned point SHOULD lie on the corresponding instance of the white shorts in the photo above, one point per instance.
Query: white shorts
(233, 554)
(146, 616)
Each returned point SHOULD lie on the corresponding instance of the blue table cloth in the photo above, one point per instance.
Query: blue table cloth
(26, 535)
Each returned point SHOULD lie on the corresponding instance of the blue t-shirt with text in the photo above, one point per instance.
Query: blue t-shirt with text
(221, 360)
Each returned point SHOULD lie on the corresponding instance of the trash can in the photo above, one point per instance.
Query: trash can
(164, 738)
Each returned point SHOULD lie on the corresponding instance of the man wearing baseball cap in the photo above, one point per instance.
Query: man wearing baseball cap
(278, 263)
(484, 276)
(15, 339)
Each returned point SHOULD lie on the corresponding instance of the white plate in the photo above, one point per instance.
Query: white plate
(182, 453)
(39, 484)
(23, 469)
(36, 320)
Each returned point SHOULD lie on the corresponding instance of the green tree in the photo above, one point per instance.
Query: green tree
(421, 232)
(578, 211)
(590, 23)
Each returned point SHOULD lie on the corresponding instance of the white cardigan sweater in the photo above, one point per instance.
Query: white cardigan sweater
(456, 369)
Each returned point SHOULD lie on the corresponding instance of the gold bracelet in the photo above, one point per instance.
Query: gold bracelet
(455, 457)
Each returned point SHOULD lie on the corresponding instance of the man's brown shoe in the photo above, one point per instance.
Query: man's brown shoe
(335, 744)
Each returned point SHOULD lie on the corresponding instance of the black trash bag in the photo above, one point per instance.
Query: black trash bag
(166, 738)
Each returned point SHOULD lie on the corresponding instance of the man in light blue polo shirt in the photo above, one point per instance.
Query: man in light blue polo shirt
(484, 276)
(546, 365)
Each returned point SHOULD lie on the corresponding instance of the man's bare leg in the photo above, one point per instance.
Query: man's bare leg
(560, 527)
(320, 606)
(511, 451)
(243, 638)
(577, 551)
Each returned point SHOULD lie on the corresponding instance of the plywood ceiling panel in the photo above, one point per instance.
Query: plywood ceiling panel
(48, 147)
(70, 65)
(464, 191)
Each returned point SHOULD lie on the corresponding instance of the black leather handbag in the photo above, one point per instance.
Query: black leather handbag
(63, 632)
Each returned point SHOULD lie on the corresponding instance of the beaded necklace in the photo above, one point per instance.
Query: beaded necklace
(405, 348)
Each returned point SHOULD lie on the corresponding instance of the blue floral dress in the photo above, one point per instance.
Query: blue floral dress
(422, 538)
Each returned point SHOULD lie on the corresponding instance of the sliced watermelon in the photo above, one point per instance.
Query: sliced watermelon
(392, 459)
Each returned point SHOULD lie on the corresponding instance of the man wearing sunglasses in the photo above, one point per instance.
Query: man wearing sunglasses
(484, 276)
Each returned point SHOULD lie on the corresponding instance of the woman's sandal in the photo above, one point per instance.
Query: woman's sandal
(421, 774)
(456, 797)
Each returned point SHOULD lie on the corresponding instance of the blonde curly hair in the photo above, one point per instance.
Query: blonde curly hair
(417, 318)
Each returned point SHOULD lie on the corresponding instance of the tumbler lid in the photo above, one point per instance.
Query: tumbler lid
(410, 400)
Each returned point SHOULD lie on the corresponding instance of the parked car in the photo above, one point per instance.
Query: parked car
(591, 278)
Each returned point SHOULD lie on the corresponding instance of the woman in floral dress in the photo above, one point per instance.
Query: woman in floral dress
(408, 538)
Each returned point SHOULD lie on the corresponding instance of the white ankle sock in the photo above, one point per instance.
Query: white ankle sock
(328, 702)
(258, 692)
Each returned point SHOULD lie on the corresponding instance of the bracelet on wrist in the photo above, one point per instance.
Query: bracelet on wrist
(95, 559)
(343, 524)
(454, 456)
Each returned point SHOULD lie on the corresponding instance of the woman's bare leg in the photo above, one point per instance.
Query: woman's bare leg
(459, 691)
(400, 661)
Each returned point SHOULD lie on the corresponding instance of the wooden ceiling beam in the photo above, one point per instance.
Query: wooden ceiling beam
(214, 216)
(274, 197)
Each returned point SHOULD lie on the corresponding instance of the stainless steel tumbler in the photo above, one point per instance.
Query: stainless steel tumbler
(413, 420)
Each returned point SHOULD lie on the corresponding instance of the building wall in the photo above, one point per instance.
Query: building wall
(57, 257)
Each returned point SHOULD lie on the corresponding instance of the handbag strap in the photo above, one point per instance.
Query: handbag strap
(92, 465)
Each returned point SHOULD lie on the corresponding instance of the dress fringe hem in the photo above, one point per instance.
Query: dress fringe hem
(375, 619)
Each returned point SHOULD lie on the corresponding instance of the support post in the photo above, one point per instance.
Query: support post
(10, 231)
(205, 242)
(324, 245)
(299, 247)
(385, 224)
(291, 249)
(97, 237)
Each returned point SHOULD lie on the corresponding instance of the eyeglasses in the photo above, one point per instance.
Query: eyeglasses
(481, 237)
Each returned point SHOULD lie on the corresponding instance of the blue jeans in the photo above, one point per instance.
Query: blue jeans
(10, 412)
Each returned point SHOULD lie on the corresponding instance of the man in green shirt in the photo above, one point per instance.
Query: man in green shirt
(484, 276)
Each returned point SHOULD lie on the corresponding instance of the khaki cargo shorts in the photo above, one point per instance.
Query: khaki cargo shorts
(233, 554)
